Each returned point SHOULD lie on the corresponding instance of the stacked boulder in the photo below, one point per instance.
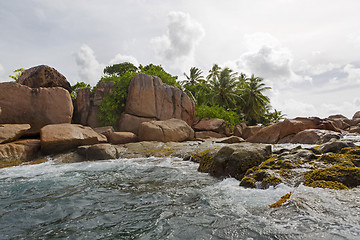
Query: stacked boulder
(151, 100)
(211, 128)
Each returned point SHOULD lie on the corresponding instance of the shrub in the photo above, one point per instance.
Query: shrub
(231, 118)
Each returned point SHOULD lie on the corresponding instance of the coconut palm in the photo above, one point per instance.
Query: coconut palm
(214, 73)
(254, 102)
(224, 90)
(194, 77)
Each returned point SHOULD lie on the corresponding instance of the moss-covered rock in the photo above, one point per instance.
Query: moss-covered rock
(236, 159)
(327, 184)
(270, 181)
(248, 182)
(282, 200)
(349, 176)
(337, 159)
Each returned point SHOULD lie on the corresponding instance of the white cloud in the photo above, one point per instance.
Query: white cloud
(294, 108)
(177, 46)
(119, 58)
(2, 74)
(353, 73)
(267, 58)
(90, 70)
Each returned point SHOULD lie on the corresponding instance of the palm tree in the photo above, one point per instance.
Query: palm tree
(254, 105)
(214, 73)
(194, 77)
(223, 89)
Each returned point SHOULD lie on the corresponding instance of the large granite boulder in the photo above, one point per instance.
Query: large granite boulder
(149, 98)
(235, 159)
(12, 132)
(86, 105)
(211, 124)
(21, 150)
(57, 138)
(43, 76)
(289, 127)
(131, 123)
(172, 130)
(314, 136)
(35, 106)
(208, 134)
(102, 151)
(122, 137)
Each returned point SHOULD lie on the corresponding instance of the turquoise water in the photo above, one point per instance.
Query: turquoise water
(162, 198)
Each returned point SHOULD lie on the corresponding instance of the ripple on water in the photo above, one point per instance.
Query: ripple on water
(157, 198)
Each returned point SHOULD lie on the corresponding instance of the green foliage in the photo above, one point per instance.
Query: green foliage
(231, 118)
(77, 87)
(113, 104)
(18, 73)
(120, 69)
(158, 70)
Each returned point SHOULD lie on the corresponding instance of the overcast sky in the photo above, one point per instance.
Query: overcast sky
(307, 51)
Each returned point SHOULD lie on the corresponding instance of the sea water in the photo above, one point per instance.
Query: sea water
(163, 198)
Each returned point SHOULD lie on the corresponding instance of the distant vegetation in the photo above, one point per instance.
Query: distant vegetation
(223, 93)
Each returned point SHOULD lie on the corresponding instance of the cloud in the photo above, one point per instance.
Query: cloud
(119, 58)
(90, 70)
(267, 58)
(2, 74)
(177, 45)
(294, 108)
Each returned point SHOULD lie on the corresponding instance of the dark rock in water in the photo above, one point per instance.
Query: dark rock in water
(15, 153)
(43, 76)
(234, 160)
(101, 151)
(335, 146)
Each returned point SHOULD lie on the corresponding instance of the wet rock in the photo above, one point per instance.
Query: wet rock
(234, 160)
(17, 152)
(103, 151)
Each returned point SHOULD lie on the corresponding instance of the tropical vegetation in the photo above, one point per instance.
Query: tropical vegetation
(223, 93)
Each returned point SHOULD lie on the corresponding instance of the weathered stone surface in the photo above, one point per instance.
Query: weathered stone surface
(208, 134)
(131, 123)
(12, 132)
(106, 131)
(250, 131)
(148, 97)
(238, 130)
(86, 105)
(235, 159)
(230, 140)
(335, 146)
(122, 137)
(22, 150)
(35, 106)
(273, 133)
(103, 151)
(82, 106)
(172, 130)
(356, 115)
(354, 129)
(61, 137)
(43, 76)
(211, 124)
(314, 136)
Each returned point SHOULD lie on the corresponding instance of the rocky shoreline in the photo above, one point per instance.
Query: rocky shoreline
(38, 123)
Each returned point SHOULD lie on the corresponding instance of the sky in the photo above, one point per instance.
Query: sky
(307, 51)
